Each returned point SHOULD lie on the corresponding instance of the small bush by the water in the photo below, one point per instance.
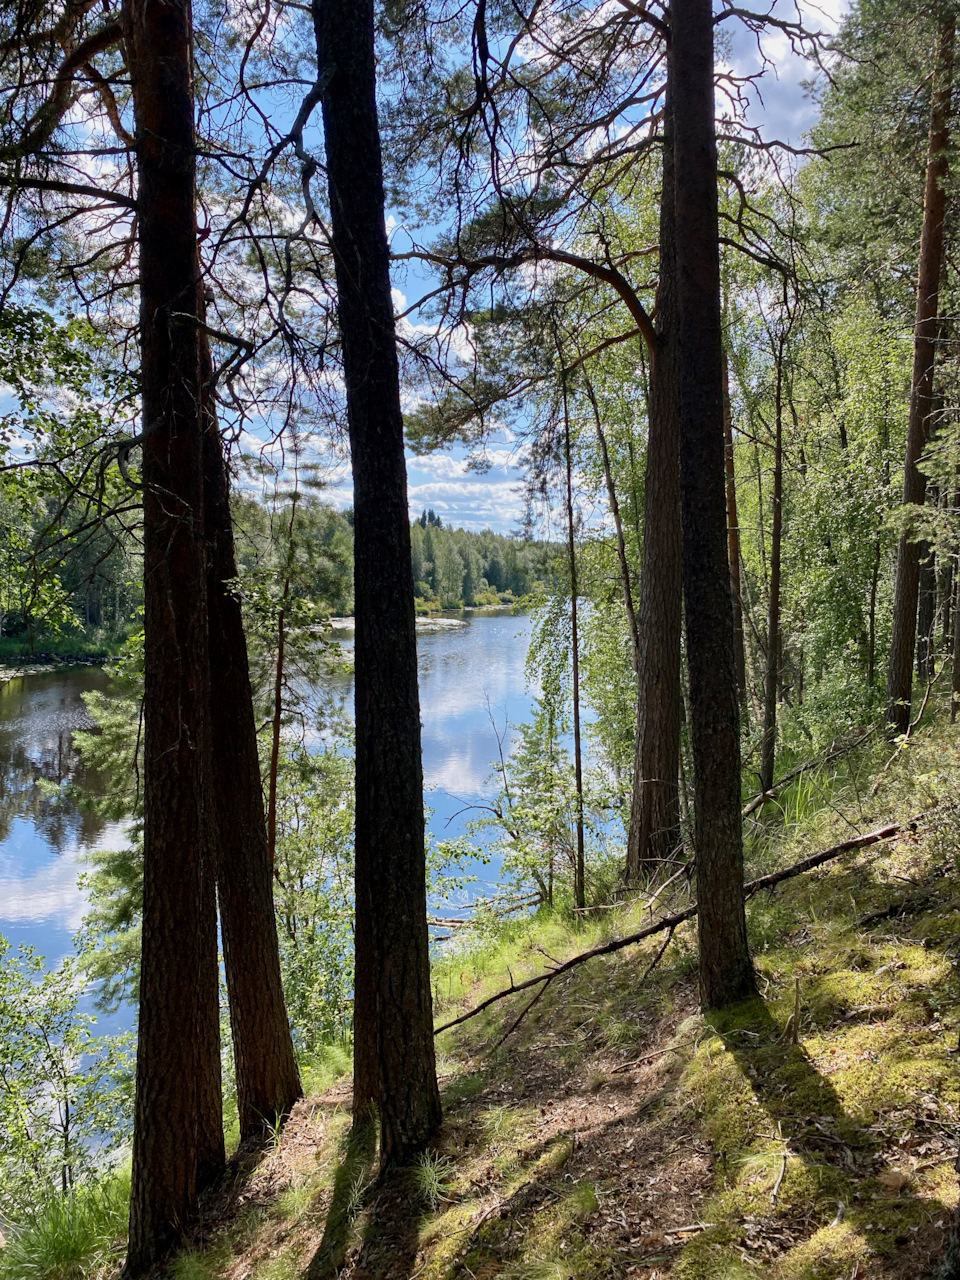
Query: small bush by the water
(71, 1235)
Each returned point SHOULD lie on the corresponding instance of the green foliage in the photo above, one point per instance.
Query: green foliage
(70, 1235)
(66, 511)
(314, 892)
(65, 1094)
(456, 567)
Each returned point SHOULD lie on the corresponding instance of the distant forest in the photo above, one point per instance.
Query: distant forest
(91, 601)
(453, 567)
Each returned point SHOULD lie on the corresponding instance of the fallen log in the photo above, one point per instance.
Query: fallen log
(834, 753)
(671, 922)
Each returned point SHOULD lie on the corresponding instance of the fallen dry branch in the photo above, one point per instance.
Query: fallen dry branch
(649, 1057)
(834, 753)
(671, 922)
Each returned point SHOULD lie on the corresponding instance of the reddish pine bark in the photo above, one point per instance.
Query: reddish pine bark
(178, 1136)
(654, 832)
(726, 973)
(906, 590)
(395, 1063)
(268, 1078)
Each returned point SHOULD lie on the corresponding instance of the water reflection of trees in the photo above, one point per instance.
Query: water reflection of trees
(38, 715)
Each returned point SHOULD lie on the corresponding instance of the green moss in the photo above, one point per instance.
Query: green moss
(830, 1252)
(555, 1157)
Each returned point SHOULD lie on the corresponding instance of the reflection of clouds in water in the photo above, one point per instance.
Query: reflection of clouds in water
(460, 773)
(471, 686)
(50, 894)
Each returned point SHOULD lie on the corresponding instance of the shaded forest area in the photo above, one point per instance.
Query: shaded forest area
(727, 363)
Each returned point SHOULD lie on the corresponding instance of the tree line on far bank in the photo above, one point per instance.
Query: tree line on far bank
(80, 593)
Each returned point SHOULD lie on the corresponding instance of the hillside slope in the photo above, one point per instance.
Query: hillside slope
(616, 1131)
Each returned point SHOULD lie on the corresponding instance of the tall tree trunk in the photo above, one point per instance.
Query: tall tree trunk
(926, 610)
(654, 832)
(872, 618)
(579, 885)
(733, 537)
(390, 869)
(277, 721)
(268, 1079)
(726, 973)
(902, 644)
(769, 741)
(178, 1135)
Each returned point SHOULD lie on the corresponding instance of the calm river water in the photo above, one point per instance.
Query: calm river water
(471, 674)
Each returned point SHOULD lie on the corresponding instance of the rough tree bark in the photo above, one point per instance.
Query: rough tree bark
(393, 1014)
(903, 640)
(726, 973)
(268, 1079)
(654, 812)
(178, 1135)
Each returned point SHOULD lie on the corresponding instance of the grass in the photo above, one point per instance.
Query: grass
(428, 1179)
(727, 1157)
(15, 651)
(326, 1067)
(70, 1236)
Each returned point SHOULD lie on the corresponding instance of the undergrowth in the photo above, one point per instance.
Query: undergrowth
(71, 1235)
(611, 1129)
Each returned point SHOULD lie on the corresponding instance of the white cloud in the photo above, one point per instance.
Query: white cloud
(51, 893)
(779, 105)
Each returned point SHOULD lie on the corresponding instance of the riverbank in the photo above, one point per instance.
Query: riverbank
(41, 662)
(428, 615)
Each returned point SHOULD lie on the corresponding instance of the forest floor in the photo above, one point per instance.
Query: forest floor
(618, 1132)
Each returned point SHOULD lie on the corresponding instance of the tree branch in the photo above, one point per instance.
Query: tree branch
(50, 113)
(671, 922)
(15, 181)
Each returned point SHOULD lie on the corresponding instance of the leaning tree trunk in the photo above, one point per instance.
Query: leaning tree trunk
(726, 973)
(579, 865)
(178, 1134)
(393, 1013)
(926, 610)
(654, 833)
(903, 640)
(625, 576)
(268, 1079)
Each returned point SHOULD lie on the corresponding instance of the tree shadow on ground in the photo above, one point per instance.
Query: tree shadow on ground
(218, 1202)
(351, 1184)
(844, 1156)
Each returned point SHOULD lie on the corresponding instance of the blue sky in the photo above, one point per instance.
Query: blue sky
(783, 110)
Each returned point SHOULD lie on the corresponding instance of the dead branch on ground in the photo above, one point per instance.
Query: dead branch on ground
(671, 922)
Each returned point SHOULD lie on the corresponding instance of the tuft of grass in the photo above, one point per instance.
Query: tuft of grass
(69, 1236)
(192, 1265)
(596, 1079)
(427, 1178)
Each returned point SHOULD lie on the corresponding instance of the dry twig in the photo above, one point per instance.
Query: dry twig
(671, 922)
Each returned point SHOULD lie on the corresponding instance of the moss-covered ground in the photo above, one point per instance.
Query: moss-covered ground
(620, 1131)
